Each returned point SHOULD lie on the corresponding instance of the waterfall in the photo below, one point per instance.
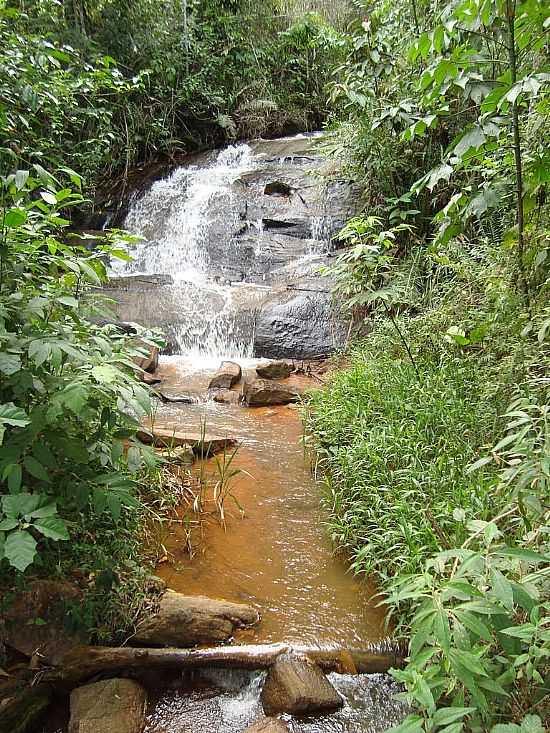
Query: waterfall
(224, 245)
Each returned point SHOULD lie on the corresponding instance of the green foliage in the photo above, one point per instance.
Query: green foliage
(69, 398)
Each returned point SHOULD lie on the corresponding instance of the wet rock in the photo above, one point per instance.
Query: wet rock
(274, 370)
(298, 325)
(183, 621)
(228, 374)
(205, 445)
(226, 397)
(184, 399)
(108, 706)
(22, 705)
(262, 392)
(277, 188)
(298, 686)
(149, 379)
(150, 362)
(35, 623)
(268, 725)
(179, 455)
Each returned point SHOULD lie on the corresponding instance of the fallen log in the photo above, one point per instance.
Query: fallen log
(84, 662)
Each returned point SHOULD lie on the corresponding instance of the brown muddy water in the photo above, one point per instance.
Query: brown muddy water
(274, 555)
(277, 555)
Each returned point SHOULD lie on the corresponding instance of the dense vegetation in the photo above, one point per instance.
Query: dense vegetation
(435, 439)
(82, 101)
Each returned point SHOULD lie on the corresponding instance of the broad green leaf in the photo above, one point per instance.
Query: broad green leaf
(35, 468)
(20, 549)
(21, 177)
(19, 505)
(52, 527)
(9, 363)
(14, 218)
(474, 138)
(446, 716)
(442, 631)
(12, 415)
(411, 724)
(528, 556)
(502, 589)
(74, 396)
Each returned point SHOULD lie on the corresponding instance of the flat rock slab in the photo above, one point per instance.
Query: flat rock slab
(228, 374)
(268, 725)
(206, 444)
(296, 685)
(274, 370)
(108, 706)
(183, 621)
(263, 392)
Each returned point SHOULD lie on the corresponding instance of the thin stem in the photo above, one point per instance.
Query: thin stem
(405, 344)
(512, 56)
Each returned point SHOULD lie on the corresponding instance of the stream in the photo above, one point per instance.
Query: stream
(228, 268)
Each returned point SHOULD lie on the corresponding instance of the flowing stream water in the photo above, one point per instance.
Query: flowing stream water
(273, 549)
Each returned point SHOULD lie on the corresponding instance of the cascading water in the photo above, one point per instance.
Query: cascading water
(223, 245)
(173, 219)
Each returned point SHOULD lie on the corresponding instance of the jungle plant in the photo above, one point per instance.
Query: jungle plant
(69, 397)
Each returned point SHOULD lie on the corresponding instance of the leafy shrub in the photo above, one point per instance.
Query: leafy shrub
(69, 397)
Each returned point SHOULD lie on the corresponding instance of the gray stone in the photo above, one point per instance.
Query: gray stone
(274, 370)
(108, 706)
(189, 620)
(228, 374)
(268, 725)
(263, 393)
(296, 685)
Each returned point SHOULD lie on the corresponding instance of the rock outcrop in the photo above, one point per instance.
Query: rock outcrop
(228, 374)
(263, 393)
(108, 706)
(22, 705)
(274, 370)
(296, 685)
(184, 621)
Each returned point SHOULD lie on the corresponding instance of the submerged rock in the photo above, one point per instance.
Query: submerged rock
(108, 706)
(262, 392)
(268, 725)
(274, 370)
(228, 374)
(189, 620)
(202, 444)
(296, 685)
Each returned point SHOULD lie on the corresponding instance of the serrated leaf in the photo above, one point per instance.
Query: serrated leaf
(20, 549)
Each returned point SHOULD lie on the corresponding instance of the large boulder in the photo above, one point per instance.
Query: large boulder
(268, 725)
(36, 621)
(228, 374)
(227, 397)
(202, 444)
(262, 393)
(296, 685)
(108, 706)
(183, 621)
(274, 370)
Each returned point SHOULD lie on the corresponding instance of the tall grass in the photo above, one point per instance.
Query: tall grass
(393, 448)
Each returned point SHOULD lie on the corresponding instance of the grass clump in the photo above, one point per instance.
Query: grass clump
(393, 447)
